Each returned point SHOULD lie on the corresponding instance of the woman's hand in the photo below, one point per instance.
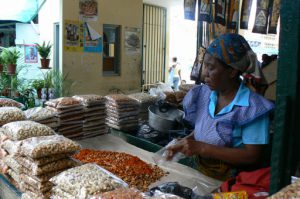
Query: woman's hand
(188, 147)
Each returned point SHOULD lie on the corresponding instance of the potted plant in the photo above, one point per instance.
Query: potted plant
(10, 57)
(4, 84)
(38, 84)
(44, 51)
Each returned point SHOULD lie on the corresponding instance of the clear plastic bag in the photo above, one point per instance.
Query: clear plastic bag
(144, 98)
(33, 182)
(49, 167)
(6, 102)
(10, 114)
(39, 113)
(86, 180)
(29, 162)
(21, 130)
(43, 146)
(13, 164)
(123, 193)
(90, 100)
(12, 147)
(57, 193)
(31, 195)
(161, 155)
(15, 176)
(42, 178)
(38, 190)
(63, 102)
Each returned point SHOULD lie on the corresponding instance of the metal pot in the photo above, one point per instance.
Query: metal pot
(164, 118)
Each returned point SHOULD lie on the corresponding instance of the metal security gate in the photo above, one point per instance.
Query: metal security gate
(154, 44)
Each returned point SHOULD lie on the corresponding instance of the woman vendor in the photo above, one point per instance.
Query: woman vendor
(230, 121)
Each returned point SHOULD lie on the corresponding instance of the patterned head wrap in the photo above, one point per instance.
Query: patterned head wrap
(234, 50)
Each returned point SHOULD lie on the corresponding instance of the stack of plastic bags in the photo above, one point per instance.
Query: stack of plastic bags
(34, 155)
(84, 182)
(43, 116)
(122, 112)
(94, 115)
(144, 100)
(70, 114)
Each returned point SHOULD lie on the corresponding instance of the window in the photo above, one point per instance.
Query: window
(111, 49)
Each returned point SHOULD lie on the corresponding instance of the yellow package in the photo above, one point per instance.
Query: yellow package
(231, 195)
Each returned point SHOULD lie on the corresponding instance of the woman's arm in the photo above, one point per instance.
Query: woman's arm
(249, 155)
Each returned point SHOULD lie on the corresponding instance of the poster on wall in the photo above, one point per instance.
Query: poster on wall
(132, 41)
(233, 14)
(204, 9)
(31, 54)
(220, 14)
(88, 10)
(245, 15)
(73, 34)
(261, 17)
(92, 40)
(274, 15)
(189, 9)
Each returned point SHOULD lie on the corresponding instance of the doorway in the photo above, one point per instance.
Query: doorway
(154, 44)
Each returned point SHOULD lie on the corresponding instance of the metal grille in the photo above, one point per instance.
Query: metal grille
(154, 44)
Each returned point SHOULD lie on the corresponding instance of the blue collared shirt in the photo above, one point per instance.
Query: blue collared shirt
(255, 132)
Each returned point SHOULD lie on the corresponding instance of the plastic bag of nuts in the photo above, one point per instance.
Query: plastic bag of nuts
(39, 113)
(37, 147)
(63, 102)
(87, 180)
(12, 147)
(31, 181)
(13, 164)
(57, 193)
(90, 100)
(122, 193)
(10, 114)
(50, 167)
(29, 162)
(21, 130)
(31, 195)
(6, 102)
(42, 178)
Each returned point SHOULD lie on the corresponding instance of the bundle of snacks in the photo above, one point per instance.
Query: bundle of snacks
(21, 130)
(94, 116)
(10, 114)
(43, 116)
(70, 114)
(6, 102)
(86, 180)
(43, 146)
(122, 112)
(131, 169)
(145, 100)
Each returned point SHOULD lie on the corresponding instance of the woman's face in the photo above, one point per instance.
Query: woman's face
(216, 75)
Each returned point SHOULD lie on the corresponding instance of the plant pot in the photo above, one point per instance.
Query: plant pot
(45, 63)
(11, 69)
(1, 68)
(5, 93)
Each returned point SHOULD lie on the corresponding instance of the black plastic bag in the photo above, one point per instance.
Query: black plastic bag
(173, 188)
